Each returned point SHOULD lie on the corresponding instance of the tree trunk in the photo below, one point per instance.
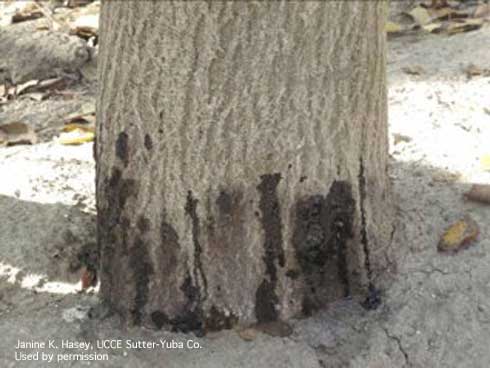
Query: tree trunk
(241, 159)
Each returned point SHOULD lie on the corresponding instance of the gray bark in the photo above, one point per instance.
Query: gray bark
(241, 159)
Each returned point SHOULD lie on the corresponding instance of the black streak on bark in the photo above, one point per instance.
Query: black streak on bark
(323, 226)
(122, 148)
(191, 210)
(265, 297)
(373, 299)
(364, 238)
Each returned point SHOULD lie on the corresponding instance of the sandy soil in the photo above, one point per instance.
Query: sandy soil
(436, 313)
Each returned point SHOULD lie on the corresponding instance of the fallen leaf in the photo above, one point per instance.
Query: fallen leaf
(482, 11)
(247, 334)
(432, 27)
(29, 12)
(441, 13)
(88, 278)
(76, 137)
(413, 70)
(84, 32)
(391, 27)
(74, 126)
(77, 3)
(420, 15)
(17, 133)
(472, 70)
(21, 88)
(465, 25)
(53, 83)
(459, 235)
(398, 138)
(479, 193)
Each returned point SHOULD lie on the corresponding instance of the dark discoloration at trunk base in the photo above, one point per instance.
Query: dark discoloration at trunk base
(139, 261)
(191, 211)
(120, 247)
(191, 317)
(322, 228)
(217, 320)
(265, 296)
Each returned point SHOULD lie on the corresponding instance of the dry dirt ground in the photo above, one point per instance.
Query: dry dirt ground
(436, 313)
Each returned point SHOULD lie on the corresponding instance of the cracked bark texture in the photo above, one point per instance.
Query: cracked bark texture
(241, 159)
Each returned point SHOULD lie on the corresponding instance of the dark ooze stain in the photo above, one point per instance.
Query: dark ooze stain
(322, 228)
(169, 249)
(191, 211)
(265, 296)
(160, 319)
(266, 301)
(139, 261)
(148, 142)
(190, 318)
(122, 148)
(118, 243)
(218, 320)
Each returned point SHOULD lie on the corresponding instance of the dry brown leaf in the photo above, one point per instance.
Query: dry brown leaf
(398, 138)
(77, 3)
(84, 32)
(50, 84)
(459, 235)
(482, 11)
(413, 70)
(479, 193)
(29, 12)
(464, 25)
(420, 15)
(88, 278)
(441, 13)
(21, 88)
(432, 27)
(473, 70)
(17, 133)
(247, 334)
